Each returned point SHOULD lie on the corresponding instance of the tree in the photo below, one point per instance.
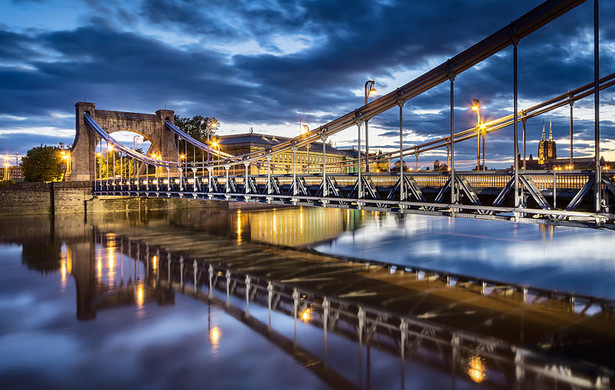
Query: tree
(43, 163)
(382, 165)
(197, 126)
(396, 166)
(124, 166)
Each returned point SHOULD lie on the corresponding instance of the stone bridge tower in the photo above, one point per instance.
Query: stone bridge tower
(149, 126)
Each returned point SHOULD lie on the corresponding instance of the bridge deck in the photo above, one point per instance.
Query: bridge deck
(546, 197)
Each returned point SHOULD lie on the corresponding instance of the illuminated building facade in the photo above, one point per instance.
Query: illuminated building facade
(307, 159)
(13, 173)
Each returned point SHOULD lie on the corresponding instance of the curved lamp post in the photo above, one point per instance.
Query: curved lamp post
(369, 89)
(476, 107)
(210, 126)
(303, 130)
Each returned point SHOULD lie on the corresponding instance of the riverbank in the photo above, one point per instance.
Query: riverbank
(76, 198)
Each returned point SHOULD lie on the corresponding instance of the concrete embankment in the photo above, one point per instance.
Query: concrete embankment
(77, 198)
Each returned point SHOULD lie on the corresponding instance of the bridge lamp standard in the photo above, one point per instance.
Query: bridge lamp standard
(6, 168)
(66, 156)
(216, 145)
(483, 129)
(476, 107)
(156, 156)
(109, 150)
(134, 142)
(211, 125)
(304, 129)
(369, 89)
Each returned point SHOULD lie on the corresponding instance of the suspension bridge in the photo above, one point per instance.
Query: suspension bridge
(573, 197)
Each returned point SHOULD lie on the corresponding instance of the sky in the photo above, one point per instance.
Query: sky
(271, 64)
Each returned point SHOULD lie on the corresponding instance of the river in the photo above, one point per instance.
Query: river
(302, 298)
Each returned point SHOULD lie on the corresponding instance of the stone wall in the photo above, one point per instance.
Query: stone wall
(107, 204)
(76, 198)
(25, 199)
(70, 197)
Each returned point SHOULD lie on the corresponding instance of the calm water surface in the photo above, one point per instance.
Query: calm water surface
(83, 306)
(562, 258)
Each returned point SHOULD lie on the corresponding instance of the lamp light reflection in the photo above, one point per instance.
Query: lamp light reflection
(214, 336)
(155, 262)
(306, 316)
(239, 226)
(140, 295)
(111, 258)
(63, 273)
(99, 267)
(477, 371)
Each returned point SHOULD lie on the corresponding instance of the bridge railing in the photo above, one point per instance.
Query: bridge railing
(544, 180)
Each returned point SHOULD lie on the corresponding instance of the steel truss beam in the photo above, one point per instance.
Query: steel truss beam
(386, 197)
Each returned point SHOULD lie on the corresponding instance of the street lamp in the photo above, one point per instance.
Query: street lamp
(66, 156)
(6, 168)
(476, 107)
(109, 149)
(369, 88)
(216, 145)
(483, 130)
(210, 125)
(134, 141)
(304, 130)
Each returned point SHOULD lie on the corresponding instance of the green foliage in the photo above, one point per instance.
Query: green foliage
(197, 126)
(396, 166)
(6, 183)
(43, 163)
(124, 166)
(383, 164)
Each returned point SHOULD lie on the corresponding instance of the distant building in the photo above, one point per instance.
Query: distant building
(437, 166)
(583, 163)
(547, 151)
(547, 157)
(307, 158)
(12, 173)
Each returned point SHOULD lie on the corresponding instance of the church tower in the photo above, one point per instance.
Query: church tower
(547, 149)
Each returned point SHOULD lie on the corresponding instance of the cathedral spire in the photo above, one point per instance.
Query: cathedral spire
(550, 130)
(543, 129)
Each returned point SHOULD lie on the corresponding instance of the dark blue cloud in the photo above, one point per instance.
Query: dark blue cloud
(113, 60)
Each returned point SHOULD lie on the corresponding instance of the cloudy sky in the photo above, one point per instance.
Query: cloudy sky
(270, 64)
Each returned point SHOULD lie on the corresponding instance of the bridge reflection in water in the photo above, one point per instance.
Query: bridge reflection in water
(293, 226)
(473, 330)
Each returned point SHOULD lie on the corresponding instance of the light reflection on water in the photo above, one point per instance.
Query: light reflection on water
(565, 258)
(148, 339)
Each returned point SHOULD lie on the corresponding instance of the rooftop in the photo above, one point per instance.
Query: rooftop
(266, 140)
